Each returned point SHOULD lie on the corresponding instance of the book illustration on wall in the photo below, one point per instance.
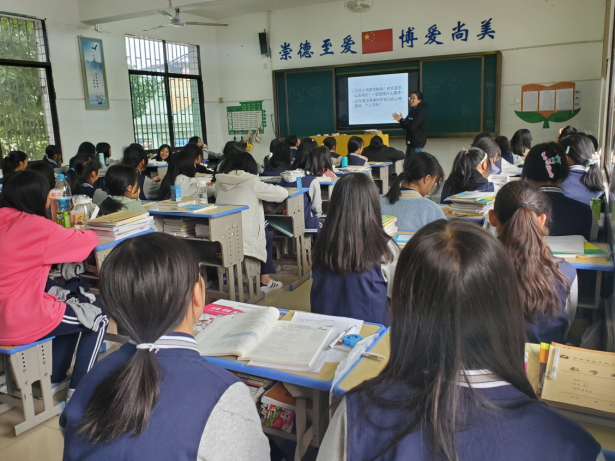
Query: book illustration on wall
(555, 103)
(93, 72)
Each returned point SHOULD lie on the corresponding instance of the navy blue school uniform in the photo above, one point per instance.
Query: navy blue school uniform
(361, 295)
(189, 390)
(357, 160)
(568, 216)
(275, 172)
(86, 189)
(529, 430)
(311, 220)
(141, 183)
(334, 155)
(574, 189)
(545, 329)
(293, 152)
(509, 157)
(477, 183)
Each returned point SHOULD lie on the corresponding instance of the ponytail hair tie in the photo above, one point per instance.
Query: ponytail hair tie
(71, 169)
(550, 161)
(567, 150)
(591, 161)
(522, 205)
(148, 347)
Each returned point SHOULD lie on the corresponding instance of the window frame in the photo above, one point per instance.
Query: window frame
(46, 65)
(166, 75)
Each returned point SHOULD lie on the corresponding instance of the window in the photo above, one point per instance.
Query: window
(28, 119)
(166, 90)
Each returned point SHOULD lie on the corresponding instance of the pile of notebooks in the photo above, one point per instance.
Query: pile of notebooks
(389, 224)
(202, 231)
(171, 205)
(179, 227)
(116, 226)
(471, 203)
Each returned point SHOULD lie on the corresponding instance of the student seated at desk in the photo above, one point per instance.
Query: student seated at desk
(547, 285)
(135, 156)
(331, 143)
(354, 259)
(30, 306)
(455, 387)
(182, 173)
(197, 156)
(406, 199)
(545, 166)
(84, 171)
(505, 150)
(355, 148)
(53, 156)
(492, 149)
(280, 160)
(238, 184)
(585, 180)
(378, 152)
(294, 143)
(156, 397)
(45, 169)
(163, 154)
(520, 145)
(16, 160)
(123, 186)
(470, 171)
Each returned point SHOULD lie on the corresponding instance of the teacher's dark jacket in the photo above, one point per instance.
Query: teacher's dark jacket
(413, 124)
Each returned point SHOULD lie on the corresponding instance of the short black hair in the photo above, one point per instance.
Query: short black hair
(535, 166)
(45, 169)
(292, 140)
(354, 144)
(86, 148)
(194, 140)
(330, 142)
(52, 150)
(26, 191)
(133, 155)
(103, 148)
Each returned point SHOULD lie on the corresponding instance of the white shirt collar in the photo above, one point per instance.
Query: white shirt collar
(174, 342)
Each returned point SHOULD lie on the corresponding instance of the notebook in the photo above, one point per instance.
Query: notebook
(566, 245)
(260, 336)
(283, 225)
(401, 238)
(582, 380)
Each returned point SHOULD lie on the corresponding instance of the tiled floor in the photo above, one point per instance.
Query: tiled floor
(45, 442)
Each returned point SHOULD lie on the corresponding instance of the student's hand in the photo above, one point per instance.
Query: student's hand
(398, 117)
(210, 183)
(157, 179)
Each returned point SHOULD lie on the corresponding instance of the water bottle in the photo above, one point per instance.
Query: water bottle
(62, 200)
(82, 211)
(201, 191)
(60, 190)
(344, 162)
(299, 183)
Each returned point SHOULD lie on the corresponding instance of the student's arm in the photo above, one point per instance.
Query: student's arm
(315, 197)
(334, 445)
(388, 268)
(233, 430)
(150, 189)
(395, 155)
(99, 196)
(68, 245)
(269, 192)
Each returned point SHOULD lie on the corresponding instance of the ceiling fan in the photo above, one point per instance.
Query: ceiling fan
(177, 22)
(358, 6)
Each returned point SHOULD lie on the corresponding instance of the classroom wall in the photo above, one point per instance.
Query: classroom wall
(541, 42)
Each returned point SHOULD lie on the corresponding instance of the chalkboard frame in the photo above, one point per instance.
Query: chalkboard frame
(362, 68)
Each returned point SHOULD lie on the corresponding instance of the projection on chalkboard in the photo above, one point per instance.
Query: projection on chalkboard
(555, 103)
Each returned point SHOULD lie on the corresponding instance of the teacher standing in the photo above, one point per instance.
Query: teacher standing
(413, 124)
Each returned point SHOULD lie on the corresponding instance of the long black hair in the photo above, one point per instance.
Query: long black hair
(117, 180)
(82, 167)
(147, 284)
(307, 146)
(352, 240)
(416, 167)
(160, 159)
(490, 147)
(465, 162)
(521, 140)
(281, 158)
(104, 148)
(45, 169)
(181, 163)
(546, 163)
(26, 191)
(238, 160)
(12, 161)
(134, 155)
(581, 150)
(447, 317)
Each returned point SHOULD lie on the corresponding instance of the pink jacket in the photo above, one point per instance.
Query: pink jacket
(29, 245)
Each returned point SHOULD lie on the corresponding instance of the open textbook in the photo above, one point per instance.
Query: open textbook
(260, 336)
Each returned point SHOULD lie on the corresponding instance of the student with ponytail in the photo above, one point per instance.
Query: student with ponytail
(470, 171)
(585, 180)
(406, 198)
(84, 171)
(548, 287)
(545, 166)
(454, 387)
(16, 160)
(156, 397)
(123, 186)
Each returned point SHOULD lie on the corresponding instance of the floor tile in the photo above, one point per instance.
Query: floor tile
(43, 443)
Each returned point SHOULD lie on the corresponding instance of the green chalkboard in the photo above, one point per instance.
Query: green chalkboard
(462, 93)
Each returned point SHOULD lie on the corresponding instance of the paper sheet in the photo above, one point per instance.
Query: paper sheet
(546, 100)
(564, 99)
(530, 101)
(569, 244)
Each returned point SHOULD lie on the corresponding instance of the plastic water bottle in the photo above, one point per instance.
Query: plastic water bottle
(61, 199)
(344, 162)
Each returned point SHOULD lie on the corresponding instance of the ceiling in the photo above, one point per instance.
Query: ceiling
(221, 9)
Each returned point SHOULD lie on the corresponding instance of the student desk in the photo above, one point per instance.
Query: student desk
(320, 383)
(271, 179)
(343, 173)
(479, 219)
(301, 254)
(326, 190)
(342, 141)
(381, 172)
(224, 247)
(366, 369)
(599, 265)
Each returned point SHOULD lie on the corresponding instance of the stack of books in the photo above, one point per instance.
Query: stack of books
(471, 203)
(389, 224)
(179, 227)
(116, 226)
(202, 231)
(171, 205)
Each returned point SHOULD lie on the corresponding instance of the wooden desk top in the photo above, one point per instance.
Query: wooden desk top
(603, 264)
(367, 368)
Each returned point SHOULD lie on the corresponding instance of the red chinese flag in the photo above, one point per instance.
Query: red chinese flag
(377, 41)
